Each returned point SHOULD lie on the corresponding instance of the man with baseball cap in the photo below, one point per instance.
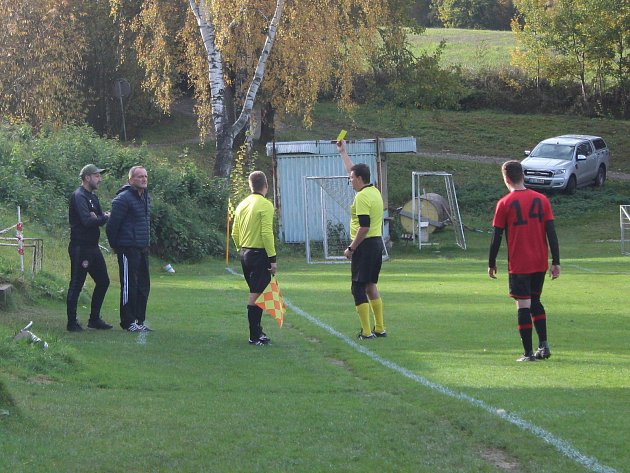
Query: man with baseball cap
(86, 216)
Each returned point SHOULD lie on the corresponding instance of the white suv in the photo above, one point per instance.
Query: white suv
(567, 162)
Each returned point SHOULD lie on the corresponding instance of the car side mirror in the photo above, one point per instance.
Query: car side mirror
(581, 157)
(527, 152)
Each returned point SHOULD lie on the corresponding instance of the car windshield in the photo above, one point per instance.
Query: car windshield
(553, 151)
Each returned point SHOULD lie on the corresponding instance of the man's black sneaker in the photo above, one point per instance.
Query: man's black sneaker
(98, 324)
(380, 334)
(144, 328)
(260, 342)
(371, 336)
(527, 358)
(74, 327)
(542, 353)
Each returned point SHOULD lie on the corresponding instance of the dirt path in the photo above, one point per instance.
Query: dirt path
(185, 107)
(617, 176)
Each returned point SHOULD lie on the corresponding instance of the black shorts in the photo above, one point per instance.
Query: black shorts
(256, 268)
(524, 286)
(367, 260)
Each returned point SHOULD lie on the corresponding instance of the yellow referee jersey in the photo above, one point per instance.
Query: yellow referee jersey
(368, 201)
(253, 224)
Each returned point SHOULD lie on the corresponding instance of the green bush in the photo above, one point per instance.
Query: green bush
(401, 78)
(511, 90)
(179, 233)
(39, 174)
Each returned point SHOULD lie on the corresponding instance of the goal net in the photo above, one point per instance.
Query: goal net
(327, 202)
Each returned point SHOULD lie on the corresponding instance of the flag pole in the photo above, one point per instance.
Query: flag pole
(20, 239)
(227, 237)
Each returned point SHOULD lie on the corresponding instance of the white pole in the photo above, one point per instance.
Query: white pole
(20, 239)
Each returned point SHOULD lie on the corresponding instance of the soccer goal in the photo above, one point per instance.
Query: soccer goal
(427, 218)
(624, 223)
(327, 202)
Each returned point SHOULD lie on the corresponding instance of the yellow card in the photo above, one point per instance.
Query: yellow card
(342, 135)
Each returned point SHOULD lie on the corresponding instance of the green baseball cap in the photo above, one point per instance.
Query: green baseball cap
(90, 169)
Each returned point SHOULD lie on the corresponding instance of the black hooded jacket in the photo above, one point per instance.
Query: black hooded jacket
(129, 223)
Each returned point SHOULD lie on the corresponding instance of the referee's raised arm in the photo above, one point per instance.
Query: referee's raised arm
(341, 147)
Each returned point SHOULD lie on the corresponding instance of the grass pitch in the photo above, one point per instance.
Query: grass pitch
(194, 396)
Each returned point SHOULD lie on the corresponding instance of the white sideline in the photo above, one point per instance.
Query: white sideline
(562, 446)
(595, 271)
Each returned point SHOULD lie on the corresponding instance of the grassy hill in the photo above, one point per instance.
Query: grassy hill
(473, 50)
(486, 133)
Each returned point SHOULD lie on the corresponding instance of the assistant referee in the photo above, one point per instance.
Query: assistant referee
(252, 233)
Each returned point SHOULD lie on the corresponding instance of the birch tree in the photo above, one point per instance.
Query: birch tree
(234, 50)
(226, 131)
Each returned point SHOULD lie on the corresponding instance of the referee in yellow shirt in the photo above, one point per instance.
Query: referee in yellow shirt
(366, 248)
(252, 233)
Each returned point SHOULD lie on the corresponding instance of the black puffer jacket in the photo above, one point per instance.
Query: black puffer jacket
(129, 223)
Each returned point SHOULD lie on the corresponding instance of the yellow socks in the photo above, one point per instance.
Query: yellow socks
(377, 308)
(363, 310)
(364, 316)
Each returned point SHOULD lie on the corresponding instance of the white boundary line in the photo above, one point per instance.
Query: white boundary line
(595, 271)
(142, 338)
(561, 445)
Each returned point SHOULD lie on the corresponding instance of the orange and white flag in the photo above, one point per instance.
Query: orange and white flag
(271, 301)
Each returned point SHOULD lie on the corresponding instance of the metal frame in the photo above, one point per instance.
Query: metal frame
(417, 189)
(38, 250)
(624, 224)
(293, 160)
(323, 220)
(315, 206)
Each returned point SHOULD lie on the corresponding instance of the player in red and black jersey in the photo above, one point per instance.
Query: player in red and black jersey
(527, 219)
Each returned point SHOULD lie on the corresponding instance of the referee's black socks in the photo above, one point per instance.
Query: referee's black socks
(254, 316)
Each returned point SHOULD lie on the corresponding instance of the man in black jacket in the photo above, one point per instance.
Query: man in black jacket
(128, 231)
(86, 216)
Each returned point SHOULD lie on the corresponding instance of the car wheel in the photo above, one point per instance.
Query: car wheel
(601, 177)
(571, 186)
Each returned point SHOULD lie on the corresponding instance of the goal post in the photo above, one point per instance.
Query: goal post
(624, 224)
(327, 202)
(421, 187)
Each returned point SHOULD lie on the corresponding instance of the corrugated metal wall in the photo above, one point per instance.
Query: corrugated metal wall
(298, 159)
(387, 145)
(335, 196)
(291, 172)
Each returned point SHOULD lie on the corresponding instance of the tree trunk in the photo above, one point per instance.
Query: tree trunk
(260, 69)
(582, 63)
(225, 140)
(267, 125)
(224, 157)
(225, 128)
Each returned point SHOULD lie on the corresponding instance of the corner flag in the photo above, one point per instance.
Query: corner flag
(271, 301)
